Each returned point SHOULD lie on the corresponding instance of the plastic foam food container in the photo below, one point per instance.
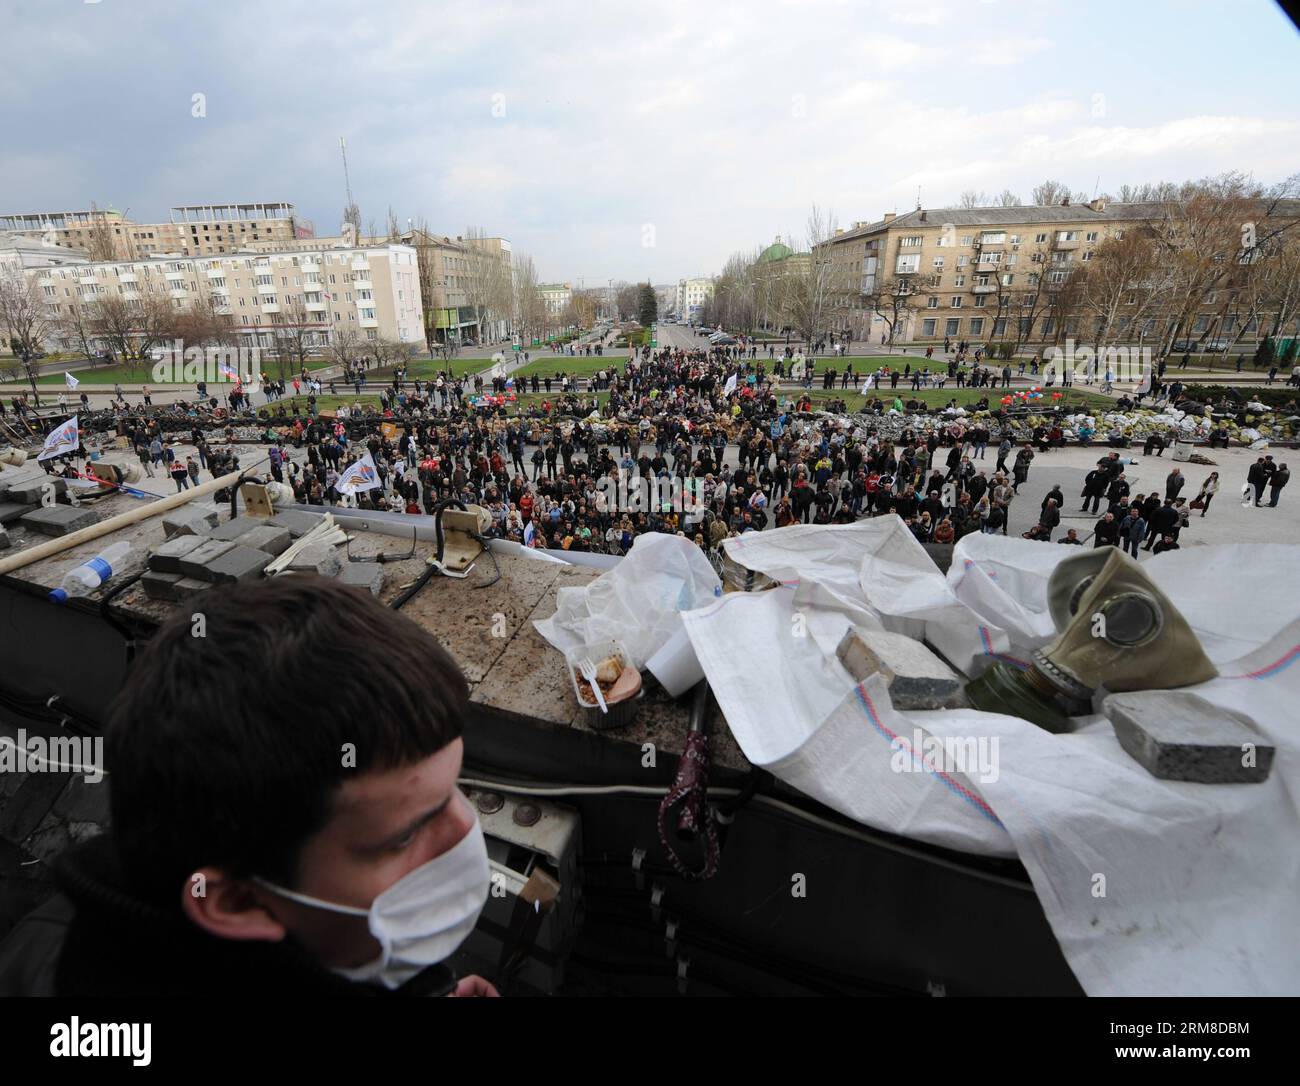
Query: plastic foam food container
(620, 713)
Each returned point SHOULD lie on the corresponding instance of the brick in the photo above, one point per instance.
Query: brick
(29, 491)
(1179, 736)
(166, 557)
(11, 511)
(189, 520)
(916, 677)
(195, 563)
(367, 575)
(231, 530)
(60, 519)
(160, 586)
(298, 522)
(237, 564)
(266, 538)
(322, 558)
(189, 587)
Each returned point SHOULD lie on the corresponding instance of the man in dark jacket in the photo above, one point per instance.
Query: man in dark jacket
(1163, 521)
(257, 841)
(1106, 532)
(1118, 489)
(1276, 482)
(1174, 483)
(1094, 488)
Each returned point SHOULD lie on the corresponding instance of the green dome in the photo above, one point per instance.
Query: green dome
(775, 251)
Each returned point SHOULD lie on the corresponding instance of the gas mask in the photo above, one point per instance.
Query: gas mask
(1115, 629)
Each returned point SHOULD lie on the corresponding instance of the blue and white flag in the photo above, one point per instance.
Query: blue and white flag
(61, 440)
(72, 381)
(359, 476)
(730, 386)
(529, 532)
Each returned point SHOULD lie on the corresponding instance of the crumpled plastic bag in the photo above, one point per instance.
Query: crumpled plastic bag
(638, 602)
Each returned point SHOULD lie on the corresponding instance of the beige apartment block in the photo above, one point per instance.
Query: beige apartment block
(371, 291)
(193, 230)
(970, 270)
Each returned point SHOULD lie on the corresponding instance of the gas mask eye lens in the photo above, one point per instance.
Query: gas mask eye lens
(1131, 619)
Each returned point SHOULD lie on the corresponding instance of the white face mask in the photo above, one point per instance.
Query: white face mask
(424, 916)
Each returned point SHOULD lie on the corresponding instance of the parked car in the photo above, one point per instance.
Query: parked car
(723, 341)
(1215, 346)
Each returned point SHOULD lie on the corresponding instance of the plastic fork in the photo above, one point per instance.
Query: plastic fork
(588, 670)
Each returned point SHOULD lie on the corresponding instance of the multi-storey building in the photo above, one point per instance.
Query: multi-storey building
(193, 230)
(970, 273)
(691, 296)
(373, 291)
(18, 252)
(556, 297)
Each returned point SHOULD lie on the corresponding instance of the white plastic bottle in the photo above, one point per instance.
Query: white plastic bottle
(90, 575)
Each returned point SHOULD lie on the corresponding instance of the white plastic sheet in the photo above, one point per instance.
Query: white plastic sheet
(1152, 887)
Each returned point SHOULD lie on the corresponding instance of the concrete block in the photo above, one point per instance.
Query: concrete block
(367, 575)
(233, 529)
(189, 587)
(917, 678)
(195, 563)
(1179, 736)
(11, 511)
(266, 538)
(322, 558)
(166, 557)
(160, 586)
(190, 520)
(298, 522)
(29, 491)
(60, 519)
(237, 564)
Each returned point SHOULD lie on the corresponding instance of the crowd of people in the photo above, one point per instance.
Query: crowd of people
(719, 449)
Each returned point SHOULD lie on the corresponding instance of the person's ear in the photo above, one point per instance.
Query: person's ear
(228, 907)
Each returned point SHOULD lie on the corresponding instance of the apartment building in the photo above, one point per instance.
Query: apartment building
(556, 297)
(18, 252)
(691, 295)
(971, 273)
(193, 230)
(458, 277)
(373, 291)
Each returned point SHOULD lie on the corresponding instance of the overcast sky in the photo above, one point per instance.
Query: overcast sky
(612, 139)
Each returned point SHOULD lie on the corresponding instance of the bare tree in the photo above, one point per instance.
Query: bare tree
(344, 346)
(813, 290)
(294, 334)
(487, 278)
(1121, 285)
(973, 198)
(1049, 193)
(892, 299)
(132, 329)
(25, 320)
(100, 242)
(530, 312)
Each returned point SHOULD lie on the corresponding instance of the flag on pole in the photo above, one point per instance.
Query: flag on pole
(529, 532)
(730, 386)
(228, 371)
(72, 382)
(359, 476)
(61, 440)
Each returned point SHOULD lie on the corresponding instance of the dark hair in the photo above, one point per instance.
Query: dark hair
(227, 749)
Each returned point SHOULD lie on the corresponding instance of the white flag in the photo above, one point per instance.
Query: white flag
(359, 476)
(730, 386)
(61, 440)
(72, 381)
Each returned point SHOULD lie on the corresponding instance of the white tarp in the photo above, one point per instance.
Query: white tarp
(1152, 887)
